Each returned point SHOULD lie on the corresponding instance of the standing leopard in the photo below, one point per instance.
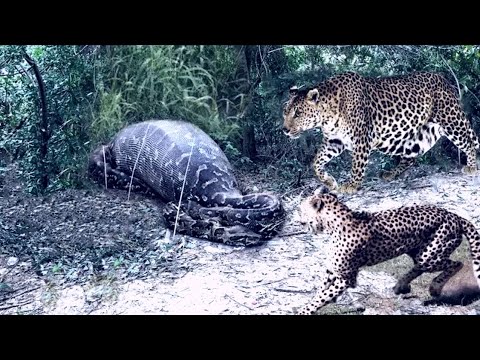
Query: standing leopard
(428, 234)
(400, 116)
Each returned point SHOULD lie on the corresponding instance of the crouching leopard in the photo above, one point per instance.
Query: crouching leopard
(400, 116)
(428, 234)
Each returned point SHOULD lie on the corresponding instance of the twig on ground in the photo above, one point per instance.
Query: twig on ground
(417, 187)
(16, 305)
(293, 190)
(260, 284)
(271, 282)
(239, 303)
(8, 272)
(292, 233)
(21, 293)
(293, 291)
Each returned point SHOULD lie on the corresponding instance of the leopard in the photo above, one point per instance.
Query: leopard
(401, 116)
(428, 234)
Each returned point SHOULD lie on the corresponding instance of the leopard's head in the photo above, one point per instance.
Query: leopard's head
(316, 209)
(310, 108)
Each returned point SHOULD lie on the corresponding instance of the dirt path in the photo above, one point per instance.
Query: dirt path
(190, 276)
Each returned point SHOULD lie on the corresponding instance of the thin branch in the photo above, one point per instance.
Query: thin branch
(20, 293)
(24, 72)
(261, 59)
(471, 92)
(239, 303)
(16, 305)
(81, 50)
(105, 168)
(280, 48)
(454, 76)
(136, 162)
(16, 73)
(5, 275)
(181, 192)
(292, 233)
(293, 291)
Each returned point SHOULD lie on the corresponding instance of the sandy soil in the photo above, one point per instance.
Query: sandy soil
(94, 252)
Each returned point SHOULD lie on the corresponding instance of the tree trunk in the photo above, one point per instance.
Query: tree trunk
(44, 134)
(254, 65)
(249, 148)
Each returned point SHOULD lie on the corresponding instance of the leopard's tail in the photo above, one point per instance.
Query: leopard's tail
(473, 238)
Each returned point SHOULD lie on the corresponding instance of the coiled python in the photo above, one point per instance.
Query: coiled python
(162, 156)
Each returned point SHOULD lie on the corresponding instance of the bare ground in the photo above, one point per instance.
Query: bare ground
(94, 252)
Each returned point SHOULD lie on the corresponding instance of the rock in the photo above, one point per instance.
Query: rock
(374, 292)
(462, 288)
(12, 261)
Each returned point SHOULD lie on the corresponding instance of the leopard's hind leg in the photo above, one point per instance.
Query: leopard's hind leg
(402, 166)
(432, 257)
(458, 130)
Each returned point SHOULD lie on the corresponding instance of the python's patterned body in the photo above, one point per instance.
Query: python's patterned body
(162, 155)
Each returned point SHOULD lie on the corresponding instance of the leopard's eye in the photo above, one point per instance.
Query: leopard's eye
(297, 113)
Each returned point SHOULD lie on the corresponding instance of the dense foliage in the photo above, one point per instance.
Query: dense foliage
(58, 102)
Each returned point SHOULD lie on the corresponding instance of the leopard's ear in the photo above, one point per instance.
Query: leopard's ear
(293, 91)
(321, 190)
(313, 95)
(317, 203)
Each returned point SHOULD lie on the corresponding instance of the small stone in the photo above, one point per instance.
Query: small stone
(12, 261)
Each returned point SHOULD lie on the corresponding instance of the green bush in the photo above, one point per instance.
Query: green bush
(93, 91)
(145, 82)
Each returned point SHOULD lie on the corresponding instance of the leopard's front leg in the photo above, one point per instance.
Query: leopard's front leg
(328, 294)
(329, 149)
(361, 152)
